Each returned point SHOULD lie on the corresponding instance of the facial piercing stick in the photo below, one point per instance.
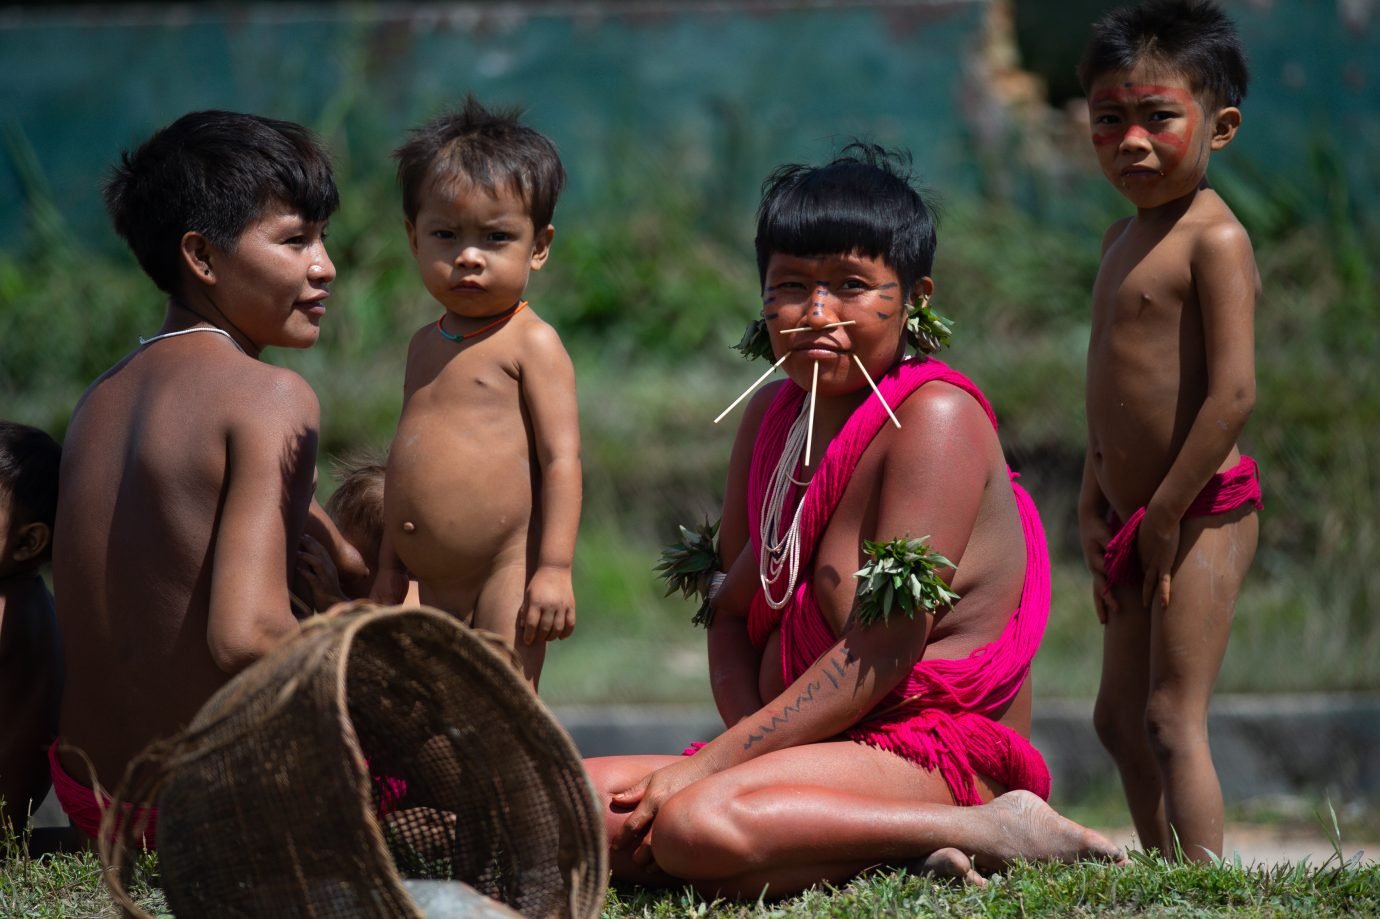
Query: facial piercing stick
(747, 391)
(832, 325)
(868, 377)
(810, 431)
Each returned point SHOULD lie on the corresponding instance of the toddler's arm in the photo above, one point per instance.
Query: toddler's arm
(1225, 278)
(548, 390)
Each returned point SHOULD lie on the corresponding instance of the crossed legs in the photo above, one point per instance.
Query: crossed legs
(825, 812)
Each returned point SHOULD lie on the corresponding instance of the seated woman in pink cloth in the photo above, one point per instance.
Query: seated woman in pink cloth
(856, 723)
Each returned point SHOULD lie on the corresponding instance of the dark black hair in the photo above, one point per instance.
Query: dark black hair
(491, 148)
(865, 201)
(29, 461)
(1192, 37)
(214, 173)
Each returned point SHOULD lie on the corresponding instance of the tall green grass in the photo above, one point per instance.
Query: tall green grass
(650, 288)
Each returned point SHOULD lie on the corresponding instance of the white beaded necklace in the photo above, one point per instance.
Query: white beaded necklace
(199, 328)
(783, 552)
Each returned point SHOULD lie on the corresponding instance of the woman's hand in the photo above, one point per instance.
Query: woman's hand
(646, 798)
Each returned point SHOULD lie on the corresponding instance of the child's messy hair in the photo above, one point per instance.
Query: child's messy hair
(29, 461)
(214, 173)
(1192, 37)
(356, 505)
(865, 201)
(491, 148)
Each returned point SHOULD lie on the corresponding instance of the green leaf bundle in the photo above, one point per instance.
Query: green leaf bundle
(902, 573)
(689, 566)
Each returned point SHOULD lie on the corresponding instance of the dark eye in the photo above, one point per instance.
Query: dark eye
(854, 284)
(1163, 116)
(442, 234)
(500, 236)
(1106, 119)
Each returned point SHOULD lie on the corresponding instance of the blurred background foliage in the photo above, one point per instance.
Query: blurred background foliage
(652, 280)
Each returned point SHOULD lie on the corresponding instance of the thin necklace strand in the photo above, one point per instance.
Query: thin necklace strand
(200, 328)
(502, 318)
(783, 552)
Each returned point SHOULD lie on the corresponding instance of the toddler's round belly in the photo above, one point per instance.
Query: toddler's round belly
(454, 527)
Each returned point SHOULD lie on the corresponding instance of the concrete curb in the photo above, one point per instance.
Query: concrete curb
(1294, 746)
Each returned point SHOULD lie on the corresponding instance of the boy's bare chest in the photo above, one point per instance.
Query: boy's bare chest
(1143, 295)
(473, 377)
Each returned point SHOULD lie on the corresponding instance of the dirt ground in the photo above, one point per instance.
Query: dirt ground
(1270, 844)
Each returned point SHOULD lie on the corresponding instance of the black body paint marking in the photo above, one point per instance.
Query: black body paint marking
(777, 720)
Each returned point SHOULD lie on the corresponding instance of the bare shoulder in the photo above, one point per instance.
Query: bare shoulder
(1114, 232)
(267, 395)
(538, 339)
(942, 421)
(1219, 235)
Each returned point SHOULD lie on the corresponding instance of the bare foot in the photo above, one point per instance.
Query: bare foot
(951, 863)
(1025, 827)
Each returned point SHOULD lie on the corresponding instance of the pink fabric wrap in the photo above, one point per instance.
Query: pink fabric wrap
(85, 807)
(1225, 491)
(941, 716)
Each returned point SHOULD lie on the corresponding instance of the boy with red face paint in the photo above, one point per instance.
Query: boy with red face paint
(482, 494)
(1167, 508)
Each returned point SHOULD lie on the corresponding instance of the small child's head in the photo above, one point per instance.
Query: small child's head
(479, 189)
(852, 242)
(29, 461)
(214, 174)
(356, 507)
(1164, 81)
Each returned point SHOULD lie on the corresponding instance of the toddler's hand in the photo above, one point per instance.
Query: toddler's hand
(1094, 534)
(548, 609)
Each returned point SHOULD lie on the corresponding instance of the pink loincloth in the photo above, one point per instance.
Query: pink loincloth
(941, 716)
(85, 807)
(1225, 491)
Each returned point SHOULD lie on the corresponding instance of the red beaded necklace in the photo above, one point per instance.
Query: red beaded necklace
(502, 318)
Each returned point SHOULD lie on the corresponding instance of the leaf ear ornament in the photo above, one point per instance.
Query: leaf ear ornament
(927, 331)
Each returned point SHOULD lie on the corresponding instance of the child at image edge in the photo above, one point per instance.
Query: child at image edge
(1167, 512)
(30, 649)
(482, 499)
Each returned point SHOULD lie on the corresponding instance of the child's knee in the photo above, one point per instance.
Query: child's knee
(1172, 726)
(1120, 729)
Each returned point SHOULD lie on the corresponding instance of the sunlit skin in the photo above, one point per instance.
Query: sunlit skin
(776, 801)
(482, 501)
(187, 477)
(1170, 384)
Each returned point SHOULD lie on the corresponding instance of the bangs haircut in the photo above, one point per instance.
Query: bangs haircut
(865, 201)
(491, 148)
(214, 173)
(29, 465)
(1190, 37)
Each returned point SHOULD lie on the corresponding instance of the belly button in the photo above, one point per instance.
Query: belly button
(409, 527)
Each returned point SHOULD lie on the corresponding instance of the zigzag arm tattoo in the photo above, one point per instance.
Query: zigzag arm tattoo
(833, 670)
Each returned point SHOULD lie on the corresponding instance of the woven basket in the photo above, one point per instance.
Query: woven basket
(381, 744)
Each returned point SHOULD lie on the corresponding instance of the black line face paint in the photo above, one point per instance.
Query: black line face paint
(883, 316)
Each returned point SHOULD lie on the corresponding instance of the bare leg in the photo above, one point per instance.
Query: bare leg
(1119, 715)
(792, 818)
(500, 602)
(1188, 642)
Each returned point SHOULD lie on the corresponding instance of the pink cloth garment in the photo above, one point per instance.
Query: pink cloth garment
(1225, 491)
(941, 716)
(85, 807)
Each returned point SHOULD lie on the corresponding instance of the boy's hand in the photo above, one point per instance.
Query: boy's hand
(548, 609)
(1094, 534)
(318, 572)
(1158, 544)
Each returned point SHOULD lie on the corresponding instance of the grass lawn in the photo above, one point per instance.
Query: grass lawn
(70, 886)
